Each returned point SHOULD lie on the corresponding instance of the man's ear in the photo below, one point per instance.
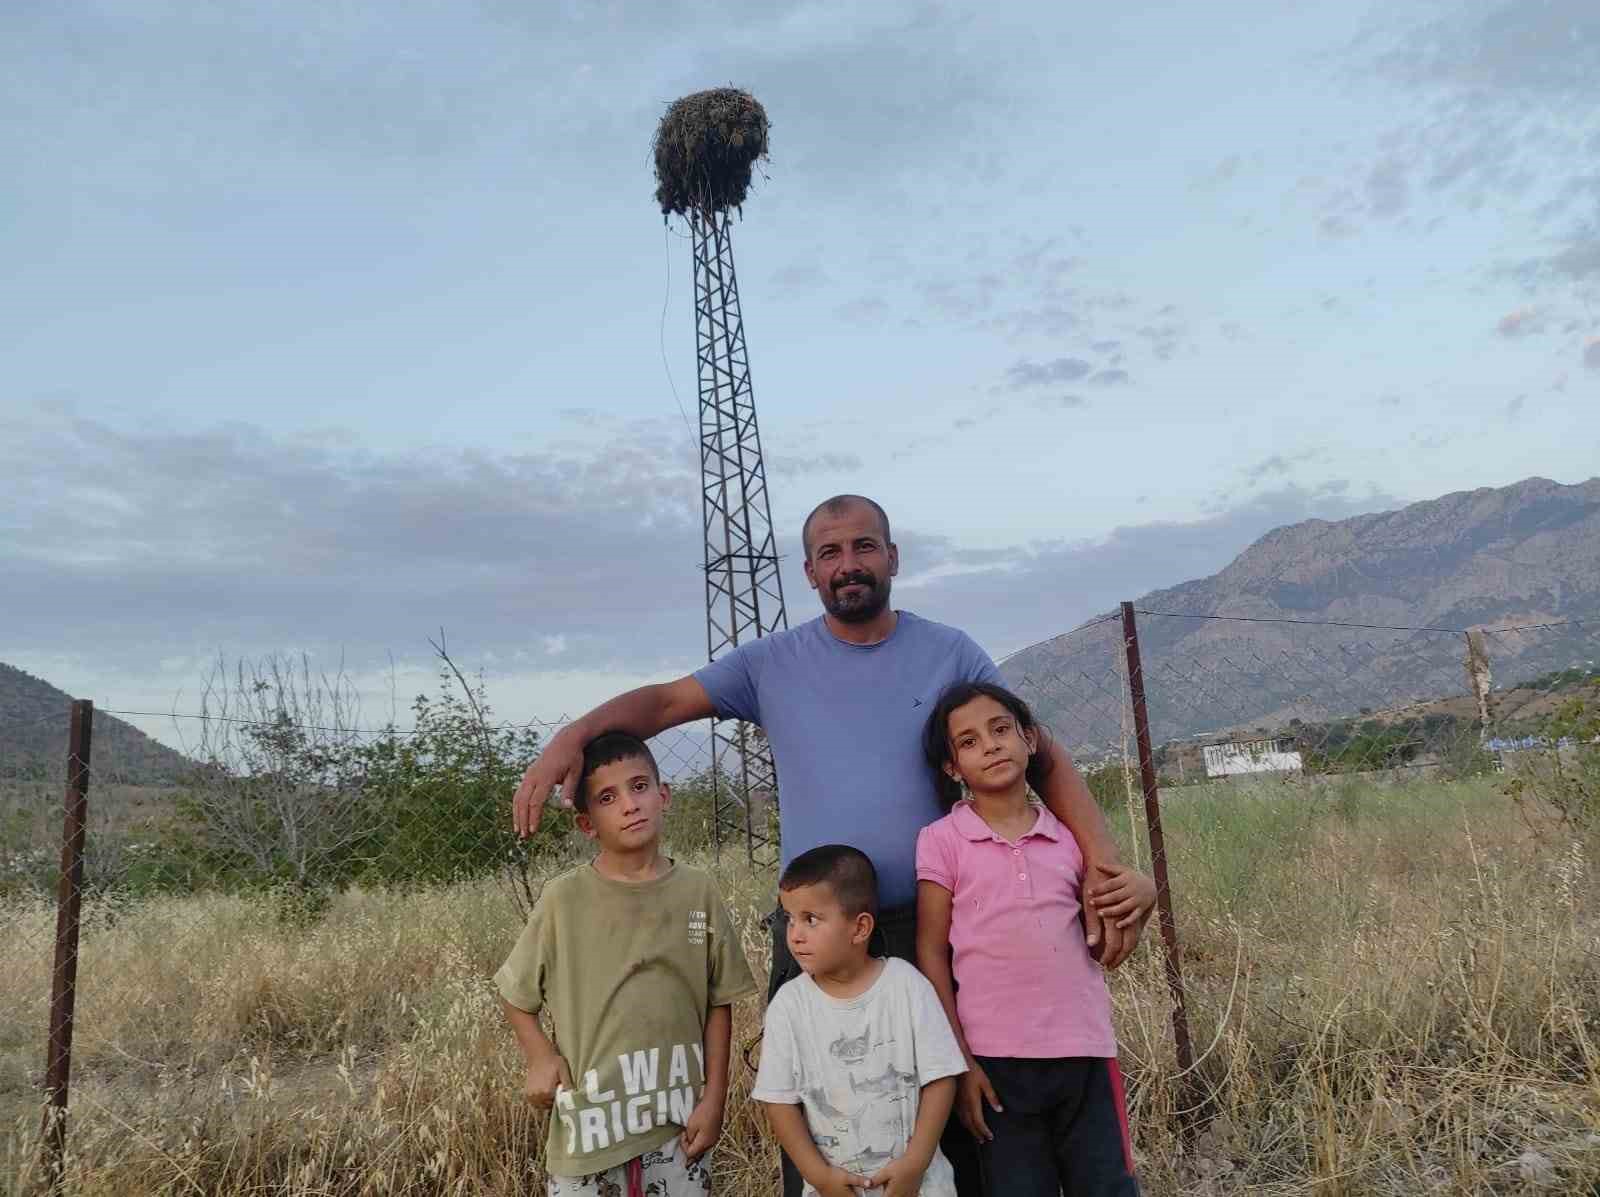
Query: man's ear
(666, 795)
(894, 560)
(586, 824)
(811, 576)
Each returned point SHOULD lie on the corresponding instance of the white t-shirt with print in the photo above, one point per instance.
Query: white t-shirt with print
(857, 1066)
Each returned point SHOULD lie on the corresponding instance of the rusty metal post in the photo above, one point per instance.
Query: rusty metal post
(1158, 859)
(69, 899)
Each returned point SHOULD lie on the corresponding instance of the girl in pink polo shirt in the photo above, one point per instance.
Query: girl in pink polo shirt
(998, 904)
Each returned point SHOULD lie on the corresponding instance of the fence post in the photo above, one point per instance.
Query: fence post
(1158, 863)
(69, 898)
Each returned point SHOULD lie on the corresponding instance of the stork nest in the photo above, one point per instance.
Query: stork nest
(705, 148)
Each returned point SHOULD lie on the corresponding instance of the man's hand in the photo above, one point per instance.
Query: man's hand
(900, 1178)
(974, 1089)
(839, 1183)
(559, 764)
(704, 1127)
(1119, 899)
(545, 1075)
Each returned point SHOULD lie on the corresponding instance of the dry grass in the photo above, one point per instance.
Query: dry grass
(1391, 991)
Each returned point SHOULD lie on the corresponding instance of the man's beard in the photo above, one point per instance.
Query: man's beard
(861, 608)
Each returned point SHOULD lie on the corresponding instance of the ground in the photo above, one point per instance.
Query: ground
(1391, 989)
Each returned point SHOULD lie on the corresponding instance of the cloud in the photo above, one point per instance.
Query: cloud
(1520, 322)
(1027, 593)
(1110, 378)
(1061, 401)
(1279, 465)
(128, 546)
(1514, 408)
(1024, 374)
(800, 276)
(1591, 353)
(867, 309)
(1388, 192)
(790, 465)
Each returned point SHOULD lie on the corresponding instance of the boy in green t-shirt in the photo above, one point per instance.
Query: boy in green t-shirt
(636, 961)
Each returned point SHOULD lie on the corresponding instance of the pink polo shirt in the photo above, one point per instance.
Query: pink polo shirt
(1028, 987)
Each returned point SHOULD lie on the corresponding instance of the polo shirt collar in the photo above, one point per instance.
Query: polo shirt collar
(967, 821)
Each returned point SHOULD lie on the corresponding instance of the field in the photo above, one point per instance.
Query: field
(1392, 989)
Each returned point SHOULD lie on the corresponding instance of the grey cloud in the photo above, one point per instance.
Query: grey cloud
(1591, 353)
(1521, 322)
(800, 276)
(1388, 191)
(796, 465)
(1024, 374)
(130, 545)
(863, 310)
(1535, 49)
(1110, 378)
(1105, 347)
(1060, 401)
(1043, 320)
(1017, 598)
(1514, 408)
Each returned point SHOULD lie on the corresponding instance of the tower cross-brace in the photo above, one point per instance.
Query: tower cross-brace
(744, 593)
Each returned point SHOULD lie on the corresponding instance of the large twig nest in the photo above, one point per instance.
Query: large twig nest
(706, 145)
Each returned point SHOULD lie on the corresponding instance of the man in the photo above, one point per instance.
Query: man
(843, 700)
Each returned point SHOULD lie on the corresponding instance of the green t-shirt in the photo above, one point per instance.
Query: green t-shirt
(628, 971)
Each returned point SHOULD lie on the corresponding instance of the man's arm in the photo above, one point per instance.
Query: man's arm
(1116, 899)
(644, 712)
(705, 1122)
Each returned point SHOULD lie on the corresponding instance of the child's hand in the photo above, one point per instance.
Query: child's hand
(899, 1178)
(704, 1127)
(839, 1183)
(545, 1075)
(973, 1089)
(1123, 897)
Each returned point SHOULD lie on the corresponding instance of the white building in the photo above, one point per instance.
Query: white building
(1251, 756)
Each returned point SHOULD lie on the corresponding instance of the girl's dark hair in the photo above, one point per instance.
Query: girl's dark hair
(936, 736)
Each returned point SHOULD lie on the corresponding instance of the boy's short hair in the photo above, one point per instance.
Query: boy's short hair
(845, 870)
(607, 749)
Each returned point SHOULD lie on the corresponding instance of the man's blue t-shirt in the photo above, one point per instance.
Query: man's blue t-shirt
(845, 723)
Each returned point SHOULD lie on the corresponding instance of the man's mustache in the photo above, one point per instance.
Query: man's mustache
(855, 579)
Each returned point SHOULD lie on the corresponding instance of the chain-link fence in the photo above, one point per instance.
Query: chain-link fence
(283, 816)
(1239, 699)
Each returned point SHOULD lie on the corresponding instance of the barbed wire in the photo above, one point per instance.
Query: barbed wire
(1336, 623)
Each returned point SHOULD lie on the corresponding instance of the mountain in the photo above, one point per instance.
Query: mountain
(33, 738)
(1526, 554)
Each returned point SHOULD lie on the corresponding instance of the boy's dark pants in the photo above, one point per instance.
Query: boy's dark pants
(896, 935)
(1062, 1129)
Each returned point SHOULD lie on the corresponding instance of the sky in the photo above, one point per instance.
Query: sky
(330, 325)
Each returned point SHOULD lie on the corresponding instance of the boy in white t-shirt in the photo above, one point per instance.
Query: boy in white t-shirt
(858, 1061)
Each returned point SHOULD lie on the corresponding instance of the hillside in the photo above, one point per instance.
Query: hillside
(1524, 554)
(33, 737)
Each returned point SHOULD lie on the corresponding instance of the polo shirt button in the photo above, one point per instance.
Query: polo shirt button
(1022, 876)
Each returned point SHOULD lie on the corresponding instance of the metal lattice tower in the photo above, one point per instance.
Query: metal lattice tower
(744, 594)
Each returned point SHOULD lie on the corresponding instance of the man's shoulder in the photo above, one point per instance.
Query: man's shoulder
(931, 630)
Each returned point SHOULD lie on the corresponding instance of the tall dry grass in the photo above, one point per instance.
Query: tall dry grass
(1391, 991)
